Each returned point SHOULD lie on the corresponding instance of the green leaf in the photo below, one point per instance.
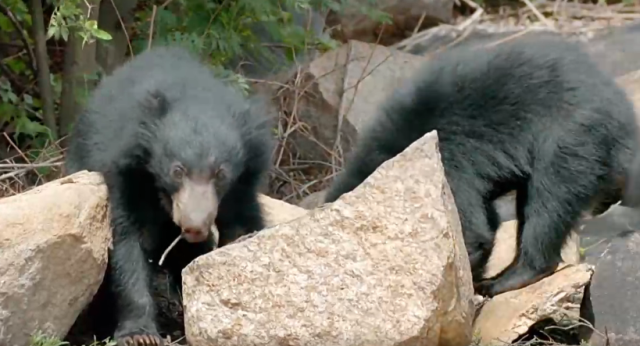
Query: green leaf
(28, 99)
(30, 128)
(64, 31)
(5, 24)
(101, 34)
(51, 31)
(13, 98)
(91, 25)
(7, 111)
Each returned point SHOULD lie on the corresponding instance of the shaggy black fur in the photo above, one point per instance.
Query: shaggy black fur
(533, 115)
(166, 134)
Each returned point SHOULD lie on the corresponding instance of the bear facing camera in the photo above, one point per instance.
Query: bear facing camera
(182, 154)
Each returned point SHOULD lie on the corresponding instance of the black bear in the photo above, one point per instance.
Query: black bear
(181, 153)
(534, 115)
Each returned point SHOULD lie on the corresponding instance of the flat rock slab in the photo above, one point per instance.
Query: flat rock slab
(631, 83)
(614, 289)
(615, 49)
(509, 315)
(53, 255)
(383, 265)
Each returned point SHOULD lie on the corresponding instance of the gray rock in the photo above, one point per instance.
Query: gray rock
(614, 288)
(615, 49)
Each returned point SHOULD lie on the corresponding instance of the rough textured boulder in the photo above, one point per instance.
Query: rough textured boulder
(383, 265)
(373, 73)
(358, 76)
(327, 102)
(616, 49)
(277, 212)
(614, 289)
(53, 254)
(631, 83)
(317, 107)
(313, 200)
(406, 16)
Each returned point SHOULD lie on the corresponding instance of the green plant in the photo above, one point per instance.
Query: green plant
(20, 111)
(68, 16)
(40, 339)
(223, 30)
(219, 30)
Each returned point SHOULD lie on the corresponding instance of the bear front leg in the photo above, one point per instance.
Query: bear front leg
(130, 275)
(130, 284)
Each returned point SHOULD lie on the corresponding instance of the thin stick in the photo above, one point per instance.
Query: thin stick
(6, 166)
(153, 18)
(216, 240)
(124, 27)
(471, 4)
(23, 170)
(169, 249)
(417, 28)
(540, 16)
(216, 236)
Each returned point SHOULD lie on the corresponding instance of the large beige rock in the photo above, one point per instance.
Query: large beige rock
(329, 70)
(310, 100)
(355, 78)
(327, 102)
(313, 200)
(277, 212)
(373, 73)
(53, 254)
(383, 265)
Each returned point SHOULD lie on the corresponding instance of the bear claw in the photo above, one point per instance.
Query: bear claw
(141, 340)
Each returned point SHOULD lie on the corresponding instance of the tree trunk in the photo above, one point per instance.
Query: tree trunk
(111, 54)
(42, 61)
(79, 62)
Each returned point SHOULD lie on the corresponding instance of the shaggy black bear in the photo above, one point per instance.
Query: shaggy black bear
(181, 154)
(534, 115)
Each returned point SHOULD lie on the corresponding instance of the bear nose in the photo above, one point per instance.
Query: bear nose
(193, 231)
(193, 224)
(194, 235)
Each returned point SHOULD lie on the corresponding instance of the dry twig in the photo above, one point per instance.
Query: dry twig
(124, 27)
(50, 163)
(166, 252)
(216, 241)
(541, 17)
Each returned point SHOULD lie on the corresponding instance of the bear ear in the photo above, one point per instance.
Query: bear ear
(155, 103)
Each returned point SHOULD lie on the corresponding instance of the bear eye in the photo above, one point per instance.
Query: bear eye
(220, 173)
(177, 172)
